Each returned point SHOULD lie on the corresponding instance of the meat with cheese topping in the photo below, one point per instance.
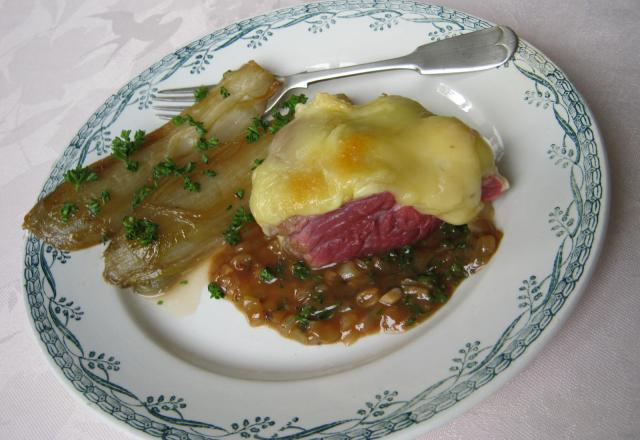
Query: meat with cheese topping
(345, 180)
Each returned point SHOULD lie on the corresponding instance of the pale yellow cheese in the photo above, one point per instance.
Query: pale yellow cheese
(334, 152)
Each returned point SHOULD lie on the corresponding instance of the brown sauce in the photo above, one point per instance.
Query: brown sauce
(390, 292)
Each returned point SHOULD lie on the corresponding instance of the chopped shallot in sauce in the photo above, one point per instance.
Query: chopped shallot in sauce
(391, 292)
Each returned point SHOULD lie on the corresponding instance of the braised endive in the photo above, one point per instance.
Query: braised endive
(82, 212)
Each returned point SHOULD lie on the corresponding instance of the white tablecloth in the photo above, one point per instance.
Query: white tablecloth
(60, 59)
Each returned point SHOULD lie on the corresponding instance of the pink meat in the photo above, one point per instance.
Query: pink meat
(364, 227)
(493, 186)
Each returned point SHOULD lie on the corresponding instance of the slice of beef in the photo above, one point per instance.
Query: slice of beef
(364, 227)
(493, 186)
(358, 228)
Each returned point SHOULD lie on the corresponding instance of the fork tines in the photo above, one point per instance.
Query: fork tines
(182, 97)
(180, 91)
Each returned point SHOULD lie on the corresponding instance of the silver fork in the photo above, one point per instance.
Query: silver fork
(469, 52)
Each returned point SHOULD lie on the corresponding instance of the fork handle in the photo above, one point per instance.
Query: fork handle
(464, 53)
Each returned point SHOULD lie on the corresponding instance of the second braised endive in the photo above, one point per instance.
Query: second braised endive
(174, 228)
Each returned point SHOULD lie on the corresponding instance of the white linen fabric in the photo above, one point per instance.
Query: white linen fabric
(60, 59)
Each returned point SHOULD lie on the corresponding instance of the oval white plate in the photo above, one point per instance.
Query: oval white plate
(209, 375)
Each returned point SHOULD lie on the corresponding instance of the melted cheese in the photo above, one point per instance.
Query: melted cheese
(334, 152)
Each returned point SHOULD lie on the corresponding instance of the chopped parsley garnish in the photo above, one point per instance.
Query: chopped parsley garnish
(200, 93)
(240, 218)
(215, 291)
(414, 309)
(308, 313)
(300, 270)
(279, 119)
(294, 100)
(401, 256)
(141, 194)
(204, 144)
(209, 173)
(181, 119)
(123, 147)
(457, 271)
(141, 230)
(434, 280)
(160, 302)
(67, 210)
(267, 276)
(79, 175)
(229, 207)
(302, 317)
(231, 236)
(183, 282)
(168, 167)
(190, 185)
(94, 207)
(239, 194)
(255, 129)
(256, 164)
(224, 92)
(455, 236)
(163, 169)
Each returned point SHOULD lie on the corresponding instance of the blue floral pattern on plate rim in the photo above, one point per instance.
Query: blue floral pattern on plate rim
(540, 298)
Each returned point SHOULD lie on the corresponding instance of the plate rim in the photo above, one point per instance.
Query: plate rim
(498, 380)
